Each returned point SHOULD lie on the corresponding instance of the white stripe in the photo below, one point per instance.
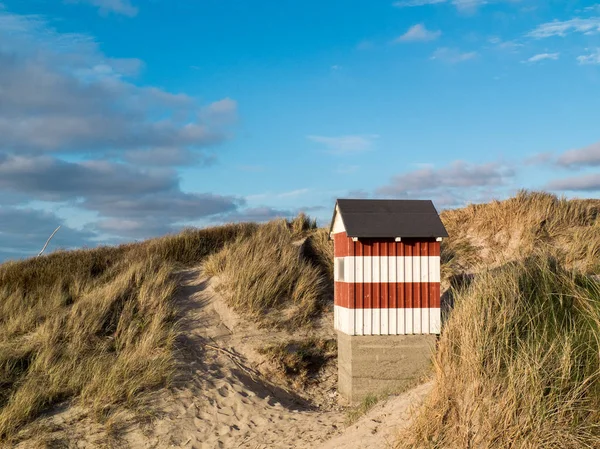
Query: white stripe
(384, 273)
(425, 320)
(336, 268)
(408, 321)
(367, 320)
(393, 329)
(435, 321)
(416, 319)
(385, 320)
(401, 321)
(428, 321)
(376, 327)
(384, 269)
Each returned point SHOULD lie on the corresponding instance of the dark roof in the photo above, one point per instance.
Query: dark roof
(390, 218)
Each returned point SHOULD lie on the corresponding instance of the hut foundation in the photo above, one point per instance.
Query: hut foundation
(381, 364)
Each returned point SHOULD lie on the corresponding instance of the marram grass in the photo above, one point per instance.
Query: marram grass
(518, 363)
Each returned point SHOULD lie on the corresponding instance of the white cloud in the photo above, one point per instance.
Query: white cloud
(60, 94)
(543, 56)
(581, 157)
(410, 3)
(418, 33)
(582, 183)
(221, 112)
(293, 193)
(593, 8)
(272, 195)
(346, 144)
(466, 6)
(123, 7)
(562, 28)
(498, 43)
(539, 158)
(452, 55)
(450, 185)
(592, 58)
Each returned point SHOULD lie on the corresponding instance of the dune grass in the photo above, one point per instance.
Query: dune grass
(494, 233)
(518, 363)
(95, 326)
(300, 360)
(277, 276)
(353, 414)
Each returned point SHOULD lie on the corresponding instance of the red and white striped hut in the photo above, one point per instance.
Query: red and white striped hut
(387, 266)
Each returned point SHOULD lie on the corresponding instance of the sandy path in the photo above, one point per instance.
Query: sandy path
(380, 426)
(223, 396)
(221, 400)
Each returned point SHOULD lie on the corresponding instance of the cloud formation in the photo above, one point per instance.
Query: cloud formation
(465, 6)
(410, 3)
(582, 157)
(562, 28)
(543, 56)
(418, 33)
(590, 58)
(140, 200)
(60, 93)
(123, 7)
(23, 232)
(346, 144)
(448, 185)
(452, 55)
(583, 183)
(77, 131)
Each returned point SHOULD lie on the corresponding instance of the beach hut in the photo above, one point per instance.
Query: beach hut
(387, 266)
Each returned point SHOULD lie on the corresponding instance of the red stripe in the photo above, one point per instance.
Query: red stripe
(359, 291)
(344, 246)
(377, 285)
(393, 295)
(429, 292)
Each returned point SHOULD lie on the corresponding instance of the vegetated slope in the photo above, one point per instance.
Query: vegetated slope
(518, 360)
(98, 328)
(530, 223)
(281, 275)
(93, 326)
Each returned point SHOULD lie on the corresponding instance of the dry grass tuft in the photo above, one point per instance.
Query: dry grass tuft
(355, 413)
(299, 361)
(274, 276)
(320, 249)
(518, 363)
(96, 326)
(494, 233)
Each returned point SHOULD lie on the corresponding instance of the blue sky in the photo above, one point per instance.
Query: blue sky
(125, 119)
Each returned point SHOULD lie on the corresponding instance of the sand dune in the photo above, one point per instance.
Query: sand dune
(224, 395)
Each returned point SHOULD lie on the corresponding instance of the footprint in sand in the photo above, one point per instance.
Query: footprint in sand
(223, 391)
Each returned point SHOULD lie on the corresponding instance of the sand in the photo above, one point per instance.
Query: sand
(380, 426)
(226, 395)
(224, 400)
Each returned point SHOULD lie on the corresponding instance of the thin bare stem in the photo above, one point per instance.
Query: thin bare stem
(48, 241)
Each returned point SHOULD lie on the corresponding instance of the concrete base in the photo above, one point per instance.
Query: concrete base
(381, 364)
